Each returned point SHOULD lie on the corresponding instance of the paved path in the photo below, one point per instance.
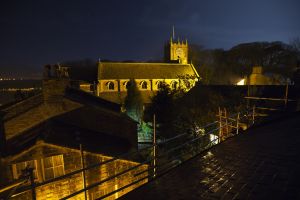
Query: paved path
(263, 163)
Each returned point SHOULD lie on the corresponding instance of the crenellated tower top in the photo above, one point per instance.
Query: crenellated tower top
(176, 51)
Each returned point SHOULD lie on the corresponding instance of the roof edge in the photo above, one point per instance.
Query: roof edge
(195, 70)
(148, 63)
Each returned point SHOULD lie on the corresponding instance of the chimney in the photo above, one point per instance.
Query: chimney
(55, 81)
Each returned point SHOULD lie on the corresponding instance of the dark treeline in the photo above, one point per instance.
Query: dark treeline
(220, 66)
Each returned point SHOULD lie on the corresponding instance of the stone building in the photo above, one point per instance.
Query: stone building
(44, 132)
(49, 161)
(176, 51)
(257, 77)
(113, 77)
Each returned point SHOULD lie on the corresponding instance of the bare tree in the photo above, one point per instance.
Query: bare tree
(295, 43)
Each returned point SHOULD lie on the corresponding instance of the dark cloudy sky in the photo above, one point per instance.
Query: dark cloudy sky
(34, 33)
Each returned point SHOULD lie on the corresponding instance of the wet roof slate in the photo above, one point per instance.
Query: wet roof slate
(262, 163)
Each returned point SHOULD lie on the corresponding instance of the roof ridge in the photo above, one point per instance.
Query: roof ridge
(142, 63)
(144, 70)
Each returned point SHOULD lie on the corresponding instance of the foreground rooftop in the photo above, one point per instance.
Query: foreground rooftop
(262, 163)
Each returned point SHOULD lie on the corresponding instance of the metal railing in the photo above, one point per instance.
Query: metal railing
(269, 103)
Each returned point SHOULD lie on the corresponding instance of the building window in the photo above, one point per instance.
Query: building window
(174, 85)
(110, 85)
(53, 167)
(19, 169)
(187, 84)
(126, 84)
(159, 84)
(143, 85)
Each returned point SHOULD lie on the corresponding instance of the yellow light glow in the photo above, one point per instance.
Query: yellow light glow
(213, 138)
(241, 82)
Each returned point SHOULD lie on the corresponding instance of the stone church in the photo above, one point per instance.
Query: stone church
(113, 77)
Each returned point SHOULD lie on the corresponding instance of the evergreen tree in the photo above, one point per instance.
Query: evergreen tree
(163, 107)
(133, 101)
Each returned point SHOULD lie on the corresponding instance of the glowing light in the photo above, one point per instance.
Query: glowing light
(213, 138)
(206, 170)
(205, 181)
(241, 82)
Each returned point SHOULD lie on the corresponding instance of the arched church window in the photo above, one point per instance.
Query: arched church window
(126, 84)
(110, 85)
(174, 85)
(188, 84)
(143, 85)
(159, 84)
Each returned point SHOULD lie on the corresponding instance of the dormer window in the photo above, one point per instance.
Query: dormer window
(110, 85)
(143, 85)
(18, 169)
(43, 169)
(53, 166)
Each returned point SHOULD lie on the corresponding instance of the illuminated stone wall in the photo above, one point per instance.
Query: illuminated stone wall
(119, 93)
(179, 50)
(72, 162)
(87, 87)
(257, 77)
(111, 169)
(152, 84)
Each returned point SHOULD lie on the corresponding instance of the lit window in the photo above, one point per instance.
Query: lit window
(188, 84)
(53, 167)
(159, 84)
(143, 84)
(19, 169)
(126, 84)
(110, 85)
(174, 85)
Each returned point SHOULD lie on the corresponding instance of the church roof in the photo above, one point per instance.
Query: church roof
(111, 70)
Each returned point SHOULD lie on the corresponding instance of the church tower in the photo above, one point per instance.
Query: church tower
(176, 51)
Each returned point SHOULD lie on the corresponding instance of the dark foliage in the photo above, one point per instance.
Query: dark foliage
(179, 113)
(219, 66)
(133, 101)
(163, 108)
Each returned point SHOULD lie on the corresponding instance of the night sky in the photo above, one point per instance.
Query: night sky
(35, 33)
